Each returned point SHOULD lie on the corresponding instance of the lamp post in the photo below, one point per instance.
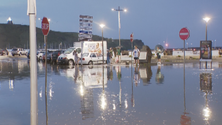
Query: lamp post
(118, 10)
(206, 19)
(102, 25)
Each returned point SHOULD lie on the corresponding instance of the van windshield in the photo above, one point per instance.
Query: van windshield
(69, 50)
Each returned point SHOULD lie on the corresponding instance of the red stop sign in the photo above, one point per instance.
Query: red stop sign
(184, 34)
(45, 26)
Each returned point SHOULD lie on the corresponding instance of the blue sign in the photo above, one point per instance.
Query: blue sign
(85, 32)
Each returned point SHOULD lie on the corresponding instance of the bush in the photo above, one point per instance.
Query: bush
(179, 56)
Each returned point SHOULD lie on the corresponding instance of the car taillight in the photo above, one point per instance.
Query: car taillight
(83, 58)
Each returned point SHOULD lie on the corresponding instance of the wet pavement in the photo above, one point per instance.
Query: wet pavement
(120, 95)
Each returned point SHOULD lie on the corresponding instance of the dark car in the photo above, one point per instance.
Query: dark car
(55, 55)
(49, 55)
(28, 55)
(3, 52)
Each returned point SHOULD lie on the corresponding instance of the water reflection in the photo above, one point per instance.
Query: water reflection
(109, 73)
(184, 119)
(136, 76)
(96, 95)
(145, 74)
(206, 87)
(159, 76)
(13, 70)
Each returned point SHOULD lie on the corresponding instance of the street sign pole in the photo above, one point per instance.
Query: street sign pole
(45, 41)
(45, 31)
(184, 35)
(131, 39)
(184, 52)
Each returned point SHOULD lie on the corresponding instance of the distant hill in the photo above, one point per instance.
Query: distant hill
(18, 36)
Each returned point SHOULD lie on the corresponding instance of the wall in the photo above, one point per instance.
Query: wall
(194, 53)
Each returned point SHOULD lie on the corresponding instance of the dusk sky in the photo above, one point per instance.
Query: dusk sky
(152, 21)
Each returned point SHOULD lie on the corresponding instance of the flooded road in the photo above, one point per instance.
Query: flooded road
(112, 94)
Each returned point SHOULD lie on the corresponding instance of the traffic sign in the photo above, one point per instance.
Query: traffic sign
(131, 37)
(184, 33)
(45, 26)
(85, 32)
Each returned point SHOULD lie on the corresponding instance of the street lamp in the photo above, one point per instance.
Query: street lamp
(206, 19)
(102, 25)
(166, 45)
(125, 10)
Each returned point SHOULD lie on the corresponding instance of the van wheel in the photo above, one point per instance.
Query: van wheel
(71, 62)
(90, 63)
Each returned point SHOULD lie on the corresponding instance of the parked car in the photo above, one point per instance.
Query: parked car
(49, 56)
(28, 55)
(55, 55)
(3, 52)
(18, 51)
(40, 55)
(67, 57)
(90, 58)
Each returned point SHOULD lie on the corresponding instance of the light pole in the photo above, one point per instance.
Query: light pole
(215, 44)
(102, 25)
(118, 10)
(206, 19)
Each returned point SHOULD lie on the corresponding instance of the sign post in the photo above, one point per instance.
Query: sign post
(85, 30)
(131, 39)
(45, 31)
(184, 35)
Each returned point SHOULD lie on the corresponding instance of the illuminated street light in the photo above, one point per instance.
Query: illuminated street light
(9, 19)
(118, 10)
(102, 25)
(206, 19)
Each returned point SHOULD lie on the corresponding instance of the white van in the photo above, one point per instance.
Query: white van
(91, 53)
(67, 57)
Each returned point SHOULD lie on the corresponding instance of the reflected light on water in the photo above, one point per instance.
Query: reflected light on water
(103, 101)
(81, 90)
(126, 105)
(50, 91)
(11, 84)
(114, 107)
(206, 113)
